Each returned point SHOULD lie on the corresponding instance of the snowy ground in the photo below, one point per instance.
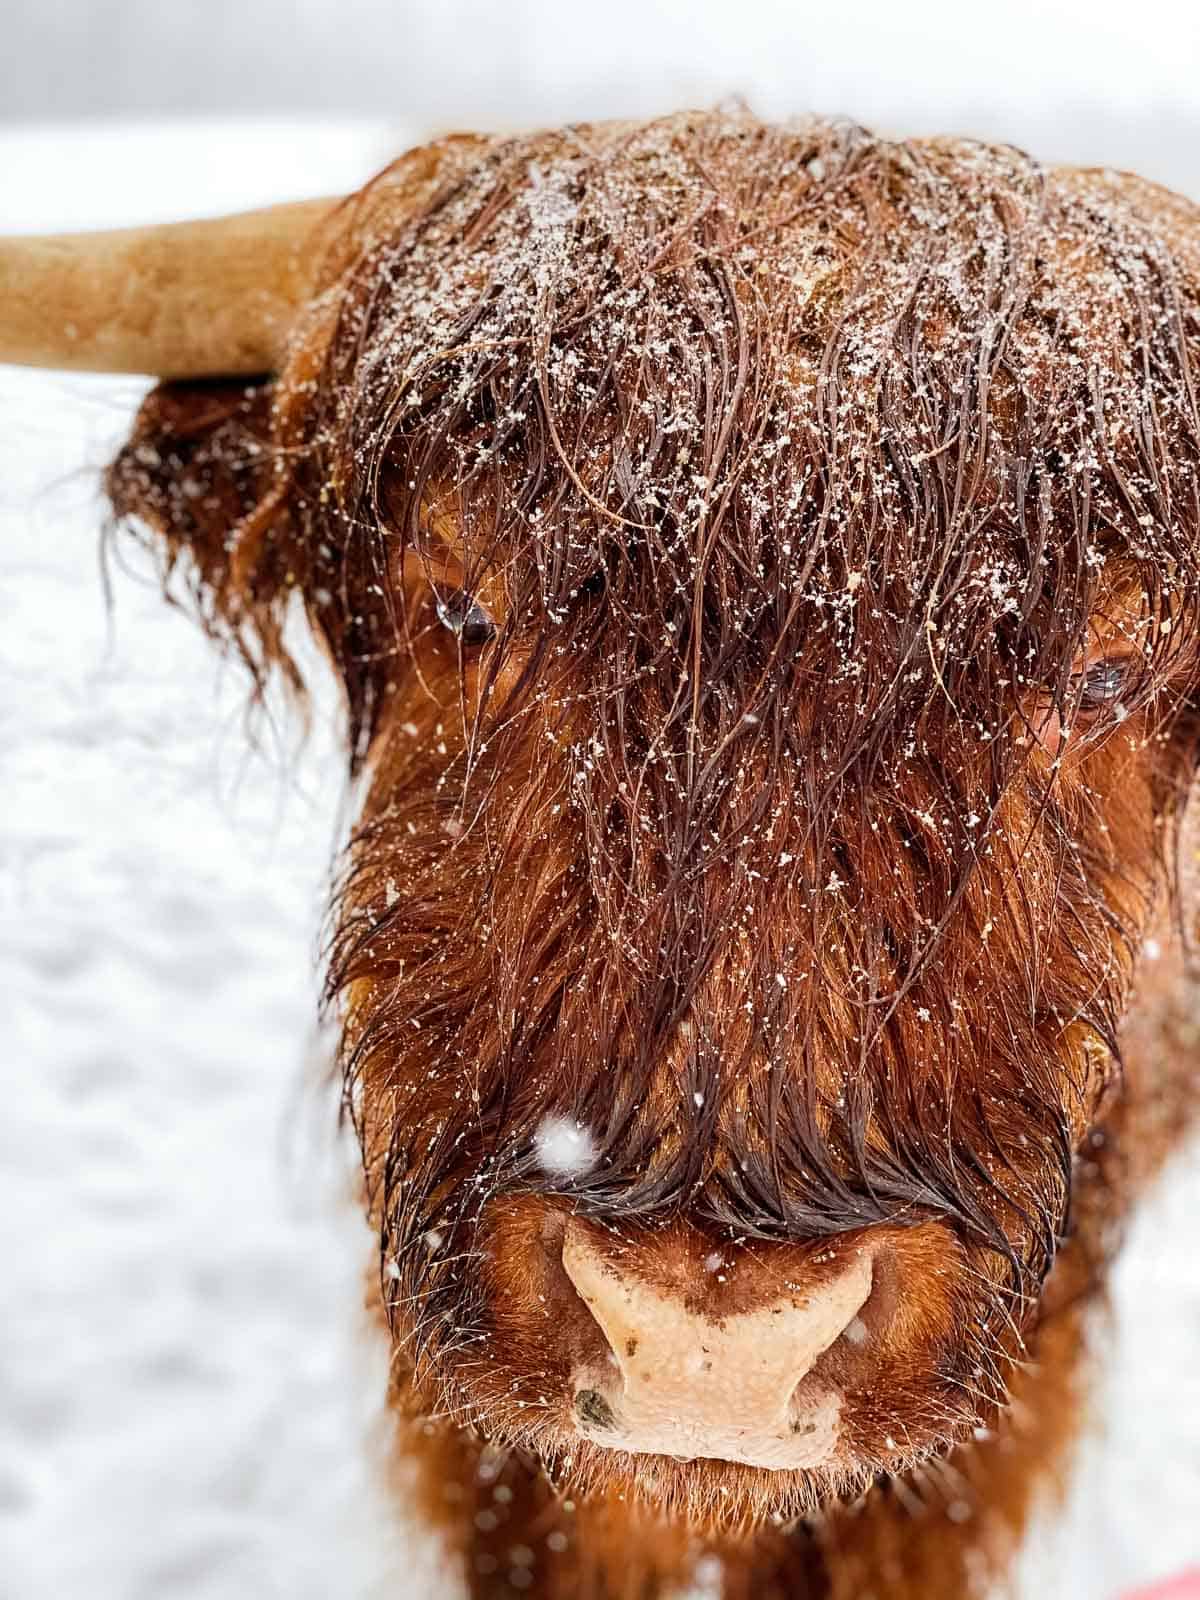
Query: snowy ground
(188, 1403)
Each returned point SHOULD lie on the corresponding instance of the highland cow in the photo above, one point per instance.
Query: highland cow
(763, 567)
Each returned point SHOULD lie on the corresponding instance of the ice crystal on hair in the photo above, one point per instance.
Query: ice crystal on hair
(565, 1148)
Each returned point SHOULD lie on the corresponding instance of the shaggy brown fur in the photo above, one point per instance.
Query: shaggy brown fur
(764, 568)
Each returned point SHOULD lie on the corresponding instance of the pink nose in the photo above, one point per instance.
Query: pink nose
(704, 1375)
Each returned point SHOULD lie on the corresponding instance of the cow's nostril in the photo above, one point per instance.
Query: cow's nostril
(593, 1408)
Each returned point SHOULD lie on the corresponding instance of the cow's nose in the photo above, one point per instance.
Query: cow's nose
(733, 1382)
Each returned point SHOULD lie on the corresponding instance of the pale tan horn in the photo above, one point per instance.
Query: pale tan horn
(184, 300)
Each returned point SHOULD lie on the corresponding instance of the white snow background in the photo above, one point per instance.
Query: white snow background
(189, 1401)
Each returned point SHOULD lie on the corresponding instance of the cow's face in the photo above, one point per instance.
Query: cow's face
(765, 1055)
(763, 567)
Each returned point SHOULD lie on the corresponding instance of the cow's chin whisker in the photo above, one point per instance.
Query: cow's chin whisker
(713, 1497)
(718, 1497)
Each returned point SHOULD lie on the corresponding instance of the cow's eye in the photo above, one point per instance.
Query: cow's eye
(1102, 685)
(470, 622)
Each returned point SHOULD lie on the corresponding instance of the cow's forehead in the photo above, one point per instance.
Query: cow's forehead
(887, 411)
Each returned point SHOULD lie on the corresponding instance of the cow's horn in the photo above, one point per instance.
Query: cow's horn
(189, 299)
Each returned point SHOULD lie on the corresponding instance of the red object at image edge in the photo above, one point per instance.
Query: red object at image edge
(1185, 1587)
